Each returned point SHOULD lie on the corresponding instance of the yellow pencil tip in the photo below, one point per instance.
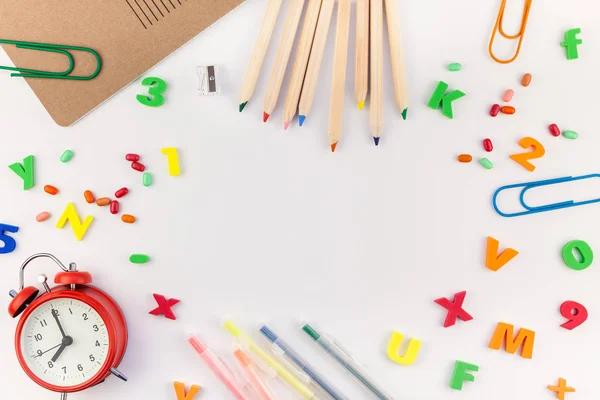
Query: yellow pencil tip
(361, 105)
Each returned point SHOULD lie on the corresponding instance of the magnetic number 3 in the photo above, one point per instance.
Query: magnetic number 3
(156, 89)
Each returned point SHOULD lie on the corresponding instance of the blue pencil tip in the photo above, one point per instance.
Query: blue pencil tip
(301, 119)
(376, 139)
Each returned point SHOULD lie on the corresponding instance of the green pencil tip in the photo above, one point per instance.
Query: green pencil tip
(242, 105)
(404, 113)
(311, 332)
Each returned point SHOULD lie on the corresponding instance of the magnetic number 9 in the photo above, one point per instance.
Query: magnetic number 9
(575, 313)
(156, 89)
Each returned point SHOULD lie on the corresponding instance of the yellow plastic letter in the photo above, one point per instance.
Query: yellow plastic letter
(411, 353)
(70, 215)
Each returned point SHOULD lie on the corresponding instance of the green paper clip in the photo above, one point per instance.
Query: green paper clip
(53, 48)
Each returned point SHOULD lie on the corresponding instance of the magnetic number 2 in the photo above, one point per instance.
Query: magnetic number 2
(523, 158)
(156, 89)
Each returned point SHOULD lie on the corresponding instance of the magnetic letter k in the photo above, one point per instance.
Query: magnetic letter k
(440, 96)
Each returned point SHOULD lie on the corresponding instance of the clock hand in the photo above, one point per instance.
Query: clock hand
(66, 341)
(44, 352)
(55, 315)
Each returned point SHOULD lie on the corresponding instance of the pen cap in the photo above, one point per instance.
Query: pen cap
(241, 357)
(197, 344)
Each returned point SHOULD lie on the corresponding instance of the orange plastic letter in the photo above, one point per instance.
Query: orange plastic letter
(494, 261)
(505, 332)
(180, 391)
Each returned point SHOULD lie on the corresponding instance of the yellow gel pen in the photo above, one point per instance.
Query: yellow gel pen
(283, 372)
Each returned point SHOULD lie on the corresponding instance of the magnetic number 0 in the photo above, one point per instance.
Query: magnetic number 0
(156, 89)
(523, 158)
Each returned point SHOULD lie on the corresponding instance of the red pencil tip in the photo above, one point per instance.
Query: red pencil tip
(265, 116)
(333, 146)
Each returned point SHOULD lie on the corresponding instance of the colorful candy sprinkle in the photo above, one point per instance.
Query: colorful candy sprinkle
(508, 95)
(485, 163)
(495, 110)
(147, 179)
(508, 110)
(465, 158)
(487, 145)
(66, 156)
(139, 258)
(526, 80)
(121, 192)
(41, 217)
(570, 135)
(138, 166)
(114, 207)
(554, 131)
(454, 67)
(129, 219)
(50, 190)
(103, 201)
(132, 157)
(89, 196)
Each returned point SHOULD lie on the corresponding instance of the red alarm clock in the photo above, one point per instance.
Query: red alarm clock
(71, 337)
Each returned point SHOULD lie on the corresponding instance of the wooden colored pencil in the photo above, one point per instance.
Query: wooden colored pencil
(340, 60)
(361, 78)
(260, 49)
(376, 95)
(302, 54)
(282, 57)
(396, 53)
(314, 63)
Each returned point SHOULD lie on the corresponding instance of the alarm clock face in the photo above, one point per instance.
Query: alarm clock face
(64, 342)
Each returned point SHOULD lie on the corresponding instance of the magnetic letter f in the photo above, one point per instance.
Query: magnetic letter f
(571, 42)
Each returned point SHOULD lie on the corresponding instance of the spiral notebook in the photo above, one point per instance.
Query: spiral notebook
(131, 36)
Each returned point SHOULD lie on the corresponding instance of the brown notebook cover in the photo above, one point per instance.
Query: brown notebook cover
(130, 35)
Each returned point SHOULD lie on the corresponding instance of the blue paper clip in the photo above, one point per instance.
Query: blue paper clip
(548, 207)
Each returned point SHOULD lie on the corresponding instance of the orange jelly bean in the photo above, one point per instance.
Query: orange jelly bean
(465, 158)
(89, 196)
(103, 201)
(50, 190)
(508, 110)
(526, 80)
(130, 219)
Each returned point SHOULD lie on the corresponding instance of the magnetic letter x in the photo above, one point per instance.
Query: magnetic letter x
(454, 309)
(164, 306)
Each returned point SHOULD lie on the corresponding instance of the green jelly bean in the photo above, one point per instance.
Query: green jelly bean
(485, 163)
(570, 135)
(454, 67)
(139, 258)
(584, 250)
(66, 156)
(147, 179)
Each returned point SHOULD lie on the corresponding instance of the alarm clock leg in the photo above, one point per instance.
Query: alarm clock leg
(63, 396)
(118, 374)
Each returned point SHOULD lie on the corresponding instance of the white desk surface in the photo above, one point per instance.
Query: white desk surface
(269, 226)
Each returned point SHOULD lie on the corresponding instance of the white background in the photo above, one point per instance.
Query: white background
(268, 226)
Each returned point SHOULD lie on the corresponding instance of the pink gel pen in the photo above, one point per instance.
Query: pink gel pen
(217, 367)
